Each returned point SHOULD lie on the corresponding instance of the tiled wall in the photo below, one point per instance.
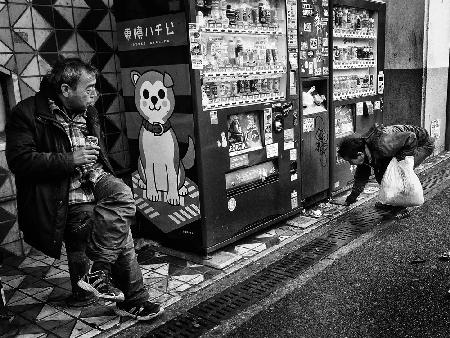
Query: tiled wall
(32, 34)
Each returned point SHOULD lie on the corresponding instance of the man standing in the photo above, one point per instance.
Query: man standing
(66, 190)
(377, 148)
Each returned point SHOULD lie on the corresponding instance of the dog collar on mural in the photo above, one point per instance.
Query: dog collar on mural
(156, 128)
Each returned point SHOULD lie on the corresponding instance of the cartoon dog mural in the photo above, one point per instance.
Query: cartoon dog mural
(160, 168)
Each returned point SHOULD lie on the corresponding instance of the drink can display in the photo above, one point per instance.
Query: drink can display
(255, 16)
(276, 85)
(275, 55)
(246, 86)
(234, 88)
(240, 86)
(239, 14)
(269, 58)
(245, 14)
(253, 85)
(222, 89)
(258, 85)
(269, 85)
(261, 14)
(91, 140)
(264, 86)
(214, 91)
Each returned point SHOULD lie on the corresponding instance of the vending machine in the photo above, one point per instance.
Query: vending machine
(357, 73)
(314, 80)
(211, 115)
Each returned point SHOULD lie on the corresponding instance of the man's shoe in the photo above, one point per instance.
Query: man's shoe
(144, 311)
(79, 299)
(99, 283)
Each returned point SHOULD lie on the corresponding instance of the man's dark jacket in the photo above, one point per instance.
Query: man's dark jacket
(382, 144)
(38, 152)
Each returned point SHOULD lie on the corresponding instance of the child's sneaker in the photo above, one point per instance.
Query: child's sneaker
(145, 311)
(99, 283)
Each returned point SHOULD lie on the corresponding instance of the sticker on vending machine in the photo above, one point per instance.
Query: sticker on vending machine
(293, 60)
(307, 26)
(268, 138)
(311, 68)
(308, 125)
(435, 130)
(213, 117)
(359, 108)
(195, 47)
(313, 43)
(377, 105)
(293, 154)
(272, 150)
(292, 83)
(288, 138)
(294, 199)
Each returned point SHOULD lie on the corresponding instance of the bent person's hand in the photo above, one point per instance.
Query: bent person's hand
(85, 155)
(350, 199)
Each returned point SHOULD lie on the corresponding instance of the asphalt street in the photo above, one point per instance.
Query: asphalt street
(393, 285)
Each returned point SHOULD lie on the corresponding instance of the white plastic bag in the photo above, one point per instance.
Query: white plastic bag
(400, 185)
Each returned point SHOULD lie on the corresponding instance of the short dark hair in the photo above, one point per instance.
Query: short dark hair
(350, 146)
(68, 71)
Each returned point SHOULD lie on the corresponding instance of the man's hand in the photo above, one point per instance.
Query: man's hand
(86, 155)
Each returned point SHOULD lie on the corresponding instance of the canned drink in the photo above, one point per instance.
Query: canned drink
(258, 85)
(253, 86)
(91, 140)
(255, 16)
(214, 91)
(269, 85)
(240, 14)
(240, 87)
(246, 86)
(234, 88)
(275, 55)
(269, 58)
(264, 86)
(276, 85)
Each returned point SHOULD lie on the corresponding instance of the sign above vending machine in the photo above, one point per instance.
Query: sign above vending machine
(152, 32)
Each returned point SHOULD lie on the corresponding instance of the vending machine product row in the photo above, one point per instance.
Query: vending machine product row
(212, 117)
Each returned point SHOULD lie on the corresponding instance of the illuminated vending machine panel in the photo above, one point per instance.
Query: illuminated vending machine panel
(357, 68)
(247, 142)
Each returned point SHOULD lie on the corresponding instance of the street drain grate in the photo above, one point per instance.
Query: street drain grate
(184, 326)
(226, 304)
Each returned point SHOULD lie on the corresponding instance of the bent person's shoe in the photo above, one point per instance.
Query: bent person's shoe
(99, 283)
(382, 206)
(144, 311)
(403, 214)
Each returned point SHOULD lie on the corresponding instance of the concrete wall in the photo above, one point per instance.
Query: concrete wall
(404, 61)
(436, 49)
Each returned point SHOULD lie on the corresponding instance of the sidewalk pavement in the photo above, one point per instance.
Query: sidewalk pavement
(35, 285)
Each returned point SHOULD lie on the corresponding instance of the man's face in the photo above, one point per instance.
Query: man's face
(83, 95)
(357, 160)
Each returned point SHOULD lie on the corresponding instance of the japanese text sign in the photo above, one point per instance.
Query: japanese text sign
(152, 32)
